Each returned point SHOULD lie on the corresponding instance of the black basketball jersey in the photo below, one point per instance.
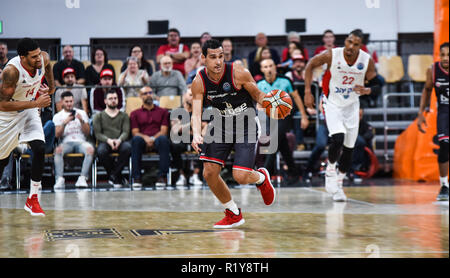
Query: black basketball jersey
(228, 100)
(440, 83)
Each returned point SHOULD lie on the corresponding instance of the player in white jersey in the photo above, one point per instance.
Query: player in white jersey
(348, 68)
(22, 94)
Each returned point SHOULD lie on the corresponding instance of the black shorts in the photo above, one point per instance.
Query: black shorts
(244, 154)
(442, 124)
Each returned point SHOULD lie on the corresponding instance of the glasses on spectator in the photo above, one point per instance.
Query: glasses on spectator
(147, 93)
(136, 51)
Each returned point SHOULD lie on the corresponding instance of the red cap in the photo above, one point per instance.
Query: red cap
(67, 71)
(106, 72)
(298, 57)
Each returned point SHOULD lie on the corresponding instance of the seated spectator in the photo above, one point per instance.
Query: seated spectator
(138, 52)
(255, 68)
(176, 50)
(111, 129)
(177, 127)
(294, 50)
(204, 37)
(68, 62)
(192, 74)
(79, 93)
(195, 61)
(227, 46)
(72, 127)
(149, 128)
(99, 62)
(167, 82)
(328, 39)
(297, 73)
(293, 37)
(133, 76)
(261, 41)
(97, 95)
(3, 56)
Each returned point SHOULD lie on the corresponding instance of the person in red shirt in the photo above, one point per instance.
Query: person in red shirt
(176, 50)
(293, 37)
(328, 42)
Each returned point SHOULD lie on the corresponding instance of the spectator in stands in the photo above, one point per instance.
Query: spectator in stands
(328, 40)
(365, 136)
(273, 82)
(204, 37)
(99, 62)
(177, 127)
(138, 52)
(294, 50)
(79, 93)
(133, 76)
(167, 82)
(263, 53)
(176, 50)
(68, 62)
(149, 128)
(111, 129)
(195, 61)
(72, 126)
(227, 46)
(97, 95)
(294, 41)
(3, 55)
(297, 73)
(261, 41)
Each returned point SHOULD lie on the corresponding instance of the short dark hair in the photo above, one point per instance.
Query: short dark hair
(66, 94)
(357, 33)
(110, 91)
(445, 44)
(25, 45)
(173, 30)
(211, 44)
(328, 31)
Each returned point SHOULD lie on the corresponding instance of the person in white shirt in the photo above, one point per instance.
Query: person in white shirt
(72, 126)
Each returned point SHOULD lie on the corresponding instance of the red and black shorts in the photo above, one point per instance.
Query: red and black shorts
(244, 154)
(442, 124)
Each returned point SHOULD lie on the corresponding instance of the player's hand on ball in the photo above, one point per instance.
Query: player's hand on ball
(196, 141)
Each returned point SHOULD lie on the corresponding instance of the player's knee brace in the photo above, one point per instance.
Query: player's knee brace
(336, 143)
(443, 152)
(345, 161)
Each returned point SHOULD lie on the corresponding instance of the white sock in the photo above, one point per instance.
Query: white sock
(331, 166)
(34, 187)
(231, 205)
(341, 176)
(444, 181)
(262, 177)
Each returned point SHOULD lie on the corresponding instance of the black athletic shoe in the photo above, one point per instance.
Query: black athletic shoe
(443, 194)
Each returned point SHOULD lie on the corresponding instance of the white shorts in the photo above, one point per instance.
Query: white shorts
(343, 120)
(21, 127)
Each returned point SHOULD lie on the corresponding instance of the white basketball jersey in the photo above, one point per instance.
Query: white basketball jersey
(339, 81)
(28, 84)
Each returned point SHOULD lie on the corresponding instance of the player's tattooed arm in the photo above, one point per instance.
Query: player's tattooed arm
(8, 81)
(49, 73)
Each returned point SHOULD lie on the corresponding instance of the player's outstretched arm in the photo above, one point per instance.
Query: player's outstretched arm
(197, 107)
(425, 100)
(316, 61)
(242, 77)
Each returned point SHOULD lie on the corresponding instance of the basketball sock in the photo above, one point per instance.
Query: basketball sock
(231, 205)
(34, 187)
(341, 175)
(261, 179)
(332, 166)
(444, 181)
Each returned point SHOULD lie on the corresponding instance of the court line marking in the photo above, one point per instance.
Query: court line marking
(291, 253)
(328, 194)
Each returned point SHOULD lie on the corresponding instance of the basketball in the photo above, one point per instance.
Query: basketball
(277, 104)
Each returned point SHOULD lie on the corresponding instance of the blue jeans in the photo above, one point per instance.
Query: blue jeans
(74, 147)
(298, 131)
(139, 147)
(321, 144)
(49, 133)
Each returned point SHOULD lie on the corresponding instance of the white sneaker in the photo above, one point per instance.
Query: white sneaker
(181, 181)
(331, 180)
(81, 182)
(194, 180)
(60, 183)
(339, 196)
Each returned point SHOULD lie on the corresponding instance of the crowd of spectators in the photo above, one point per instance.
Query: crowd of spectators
(90, 103)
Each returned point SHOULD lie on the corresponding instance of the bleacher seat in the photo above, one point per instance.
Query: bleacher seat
(132, 103)
(170, 102)
(86, 63)
(117, 64)
(417, 67)
(391, 68)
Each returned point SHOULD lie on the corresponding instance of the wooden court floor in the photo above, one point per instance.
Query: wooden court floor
(386, 219)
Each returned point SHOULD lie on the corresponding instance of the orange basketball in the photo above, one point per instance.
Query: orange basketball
(277, 104)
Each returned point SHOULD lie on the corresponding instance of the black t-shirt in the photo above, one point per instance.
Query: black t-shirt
(60, 66)
(93, 77)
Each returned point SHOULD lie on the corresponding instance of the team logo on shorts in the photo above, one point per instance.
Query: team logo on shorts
(360, 66)
(226, 87)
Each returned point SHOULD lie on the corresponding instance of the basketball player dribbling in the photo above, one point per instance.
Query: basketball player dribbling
(22, 94)
(232, 90)
(348, 68)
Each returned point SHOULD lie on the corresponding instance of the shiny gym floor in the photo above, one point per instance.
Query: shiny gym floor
(383, 218)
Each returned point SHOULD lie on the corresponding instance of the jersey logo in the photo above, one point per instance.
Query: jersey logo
(360, 66)
(226, 87)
